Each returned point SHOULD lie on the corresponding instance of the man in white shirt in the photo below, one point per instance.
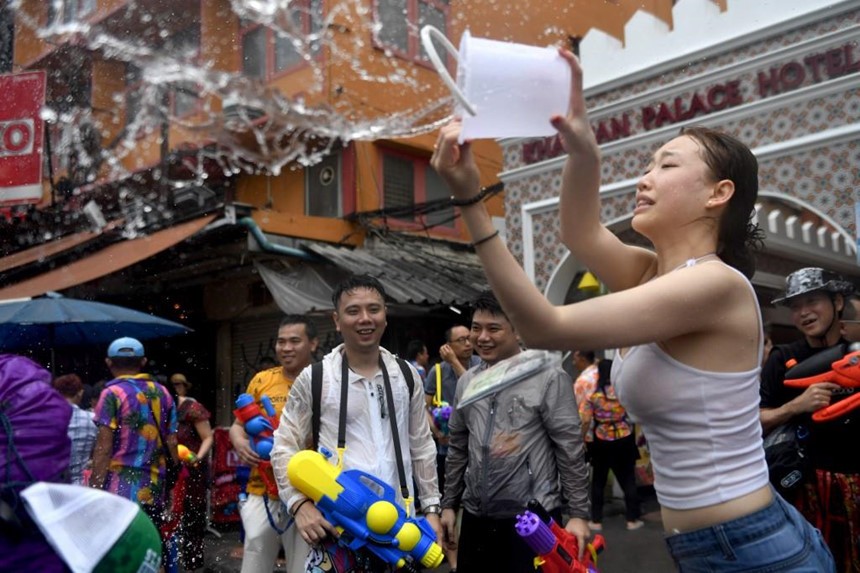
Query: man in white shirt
(360, 317)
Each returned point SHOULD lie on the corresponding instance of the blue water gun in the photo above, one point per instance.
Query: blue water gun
(364, 509)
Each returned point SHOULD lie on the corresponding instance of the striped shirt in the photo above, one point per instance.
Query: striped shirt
(82, 433)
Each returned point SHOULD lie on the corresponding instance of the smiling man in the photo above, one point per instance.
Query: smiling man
(294, 348)
(362, 381)
(827, 495)
(522, 442)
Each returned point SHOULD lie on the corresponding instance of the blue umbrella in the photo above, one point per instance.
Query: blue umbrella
(54, 321)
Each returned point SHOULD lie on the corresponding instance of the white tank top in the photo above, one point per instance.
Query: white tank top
(703, 428)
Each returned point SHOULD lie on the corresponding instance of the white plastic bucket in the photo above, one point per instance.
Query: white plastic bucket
(503, 89)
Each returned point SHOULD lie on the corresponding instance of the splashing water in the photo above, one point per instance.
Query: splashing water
(248, 124)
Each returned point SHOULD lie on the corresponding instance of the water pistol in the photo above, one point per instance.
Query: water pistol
(441, 415)
(839, 365)
(556, 549)
(441, 411)
(186, 455)
(260, 428)
(364, 510)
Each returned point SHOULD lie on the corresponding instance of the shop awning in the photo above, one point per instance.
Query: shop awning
(48, 250)
(414, 270)
(106, 261)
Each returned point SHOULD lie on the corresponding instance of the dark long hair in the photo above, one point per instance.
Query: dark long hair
(727, 158)
(604, 376)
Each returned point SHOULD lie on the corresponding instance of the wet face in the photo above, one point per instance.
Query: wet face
(360, 318)
(293, 348)
(674, 188)
(814, 314)
(493, 337)
(461, 343)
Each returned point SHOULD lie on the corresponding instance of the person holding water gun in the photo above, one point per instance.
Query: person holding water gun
(366, 407)
(264, 521)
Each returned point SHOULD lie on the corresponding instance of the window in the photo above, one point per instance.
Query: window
(67, 11)
(185, 46)
(409, 180)
(133, 92)
(323, 188)
(400, 23)
(267, 52)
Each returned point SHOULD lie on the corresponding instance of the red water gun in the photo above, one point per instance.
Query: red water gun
(839, 365)
(260, 427)
(556, 549)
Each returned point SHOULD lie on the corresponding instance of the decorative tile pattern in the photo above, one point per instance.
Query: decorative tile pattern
(824, 178)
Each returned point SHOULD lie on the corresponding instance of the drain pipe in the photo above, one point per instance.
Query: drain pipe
(271, 247)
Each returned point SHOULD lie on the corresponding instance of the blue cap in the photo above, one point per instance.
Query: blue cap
(125, 347)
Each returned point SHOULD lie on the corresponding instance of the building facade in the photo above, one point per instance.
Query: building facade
(781, 76)
(218, 164)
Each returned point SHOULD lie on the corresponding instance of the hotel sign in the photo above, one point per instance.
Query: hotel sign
(814, 68)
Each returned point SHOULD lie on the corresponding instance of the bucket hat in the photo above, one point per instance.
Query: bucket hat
(812, 279)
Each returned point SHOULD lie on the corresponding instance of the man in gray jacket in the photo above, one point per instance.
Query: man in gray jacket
(521, 443)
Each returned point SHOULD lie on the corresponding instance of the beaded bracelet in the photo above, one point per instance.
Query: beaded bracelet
(492, 235)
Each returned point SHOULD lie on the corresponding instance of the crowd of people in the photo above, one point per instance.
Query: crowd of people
(689, 367)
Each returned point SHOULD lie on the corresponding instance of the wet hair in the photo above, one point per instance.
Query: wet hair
(487, 302)
(738, 237)
(587, 354)
(68, 385)
(290, 319)
(604, 377)
(414, 348)
(356, 282)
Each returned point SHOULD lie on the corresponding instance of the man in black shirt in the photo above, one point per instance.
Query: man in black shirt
(828, 499)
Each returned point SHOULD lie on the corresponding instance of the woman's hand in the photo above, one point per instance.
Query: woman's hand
(574, 130)
(454, 162)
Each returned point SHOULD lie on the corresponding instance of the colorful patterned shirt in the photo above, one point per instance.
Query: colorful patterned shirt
(609, 418)
(584, 387)
(82, 433)
(133, 407)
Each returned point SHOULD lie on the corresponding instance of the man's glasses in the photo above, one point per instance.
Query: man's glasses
(465, 339)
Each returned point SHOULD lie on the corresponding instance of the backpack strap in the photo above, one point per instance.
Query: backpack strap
(316, 400)
(407, 376)
(316, 394)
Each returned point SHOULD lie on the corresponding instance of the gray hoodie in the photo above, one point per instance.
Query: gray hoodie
(523, 442)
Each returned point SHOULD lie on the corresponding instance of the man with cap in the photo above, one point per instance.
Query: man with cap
(137, 422)
(816, 299)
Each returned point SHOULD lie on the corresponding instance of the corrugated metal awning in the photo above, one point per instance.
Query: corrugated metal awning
(413, 270)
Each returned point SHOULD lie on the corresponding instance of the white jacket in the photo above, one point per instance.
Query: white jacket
(369, 445)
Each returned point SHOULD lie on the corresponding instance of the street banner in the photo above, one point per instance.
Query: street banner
(21, 129)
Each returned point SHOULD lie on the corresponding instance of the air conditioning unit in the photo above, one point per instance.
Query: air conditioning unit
(237, 111)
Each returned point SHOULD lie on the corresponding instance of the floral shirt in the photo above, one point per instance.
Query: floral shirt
(609, 418)
(133, 407)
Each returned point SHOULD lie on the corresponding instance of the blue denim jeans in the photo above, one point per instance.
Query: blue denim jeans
(776, 538)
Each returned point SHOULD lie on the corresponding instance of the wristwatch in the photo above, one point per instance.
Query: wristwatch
(435, 508)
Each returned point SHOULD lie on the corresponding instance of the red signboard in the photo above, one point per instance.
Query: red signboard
(21, 99)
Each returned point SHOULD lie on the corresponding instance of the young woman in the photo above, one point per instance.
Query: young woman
(686, 320)
(613, 447)
(195, 433)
